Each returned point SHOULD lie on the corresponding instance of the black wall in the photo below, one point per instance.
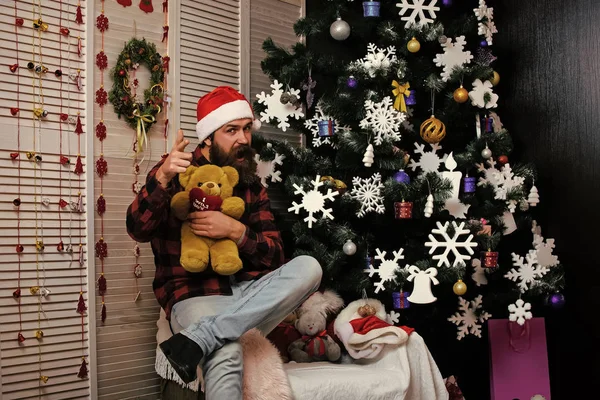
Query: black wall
(549, 62)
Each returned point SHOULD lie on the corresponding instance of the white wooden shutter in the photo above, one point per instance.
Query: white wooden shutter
(209, 53)
(58, 354)
(275, 19)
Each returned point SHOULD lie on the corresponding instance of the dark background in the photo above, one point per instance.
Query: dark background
(549, 59)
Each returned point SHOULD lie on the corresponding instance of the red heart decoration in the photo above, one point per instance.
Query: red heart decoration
(64, 160)
(21, 337)
(19, 21)
(62, 203)
(199, 201)
(14, 156)
(17, 293)
(60, 246)
(14, 110)
(65, 31)
(20, 248)
(14, 67)
(64, 117)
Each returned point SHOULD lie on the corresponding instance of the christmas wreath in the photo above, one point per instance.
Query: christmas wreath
(140, 115)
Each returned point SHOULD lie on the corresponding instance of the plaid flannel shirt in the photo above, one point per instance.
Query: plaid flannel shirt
(149, 219)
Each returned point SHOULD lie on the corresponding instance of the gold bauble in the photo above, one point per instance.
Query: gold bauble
(495, 79)
(366, 310)
(433, 130)
(413, 45)
(459, 288)
(461, 95)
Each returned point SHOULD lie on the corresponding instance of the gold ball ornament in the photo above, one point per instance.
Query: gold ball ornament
(461, 95)
(459, 288)
(413, 45)
(366, 310)
(433, 130)
(495, 79)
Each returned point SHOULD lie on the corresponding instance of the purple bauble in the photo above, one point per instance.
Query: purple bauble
(557, 300)
(483, 43)
(402, 177)
(447, 3)
(352, 82)
(412, 99)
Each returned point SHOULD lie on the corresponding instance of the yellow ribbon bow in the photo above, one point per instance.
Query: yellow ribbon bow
(400, 91)
(142, 136)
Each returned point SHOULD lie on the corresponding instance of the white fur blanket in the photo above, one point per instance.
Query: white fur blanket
(264, 377)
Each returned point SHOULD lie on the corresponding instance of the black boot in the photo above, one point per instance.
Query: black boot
(184, 355)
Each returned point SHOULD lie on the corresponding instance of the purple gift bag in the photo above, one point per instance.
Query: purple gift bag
(518, 360)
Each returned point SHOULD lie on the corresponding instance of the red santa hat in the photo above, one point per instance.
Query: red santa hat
(224, 104)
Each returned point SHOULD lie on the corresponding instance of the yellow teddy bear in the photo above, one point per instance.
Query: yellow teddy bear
(208, 187)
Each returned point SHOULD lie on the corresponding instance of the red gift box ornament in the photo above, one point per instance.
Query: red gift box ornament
(199, 201)
(489, 259)
(13, 68)
(403, 210)
(101, 249)
(146, 6)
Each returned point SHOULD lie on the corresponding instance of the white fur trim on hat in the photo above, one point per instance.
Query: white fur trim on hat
(228, 112)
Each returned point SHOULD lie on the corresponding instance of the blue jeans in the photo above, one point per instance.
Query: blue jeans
(216, 322)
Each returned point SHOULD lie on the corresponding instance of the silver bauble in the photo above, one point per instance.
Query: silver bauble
(339, 29)
(349, 247)
(486, 153)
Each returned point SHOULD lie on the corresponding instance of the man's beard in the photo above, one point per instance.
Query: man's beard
(241, 158)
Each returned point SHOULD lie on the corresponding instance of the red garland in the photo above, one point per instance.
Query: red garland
(102, 22)
(101, 60)
(79, 16)
(101, 249)
(146, 6)
(78, 166)
(101, 205)
(101, 97)
(101, 131)
(78, 125)
(101, 167)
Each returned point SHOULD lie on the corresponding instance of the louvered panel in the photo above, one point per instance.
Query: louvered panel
(209, 53)
(58, 354)
(275, 19)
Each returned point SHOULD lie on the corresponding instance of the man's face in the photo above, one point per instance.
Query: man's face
(231, 146)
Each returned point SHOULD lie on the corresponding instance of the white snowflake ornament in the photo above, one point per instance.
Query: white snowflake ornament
(503, 181)
(479, 273)
(275, 109)
(418, 9)
(454, 55)
(465, 318)
(368, 192)
(266, 169)
(393, 317)
(544, 250)
(383, 119)
(376, 60)
(313, 125)
(482, 95)
(519, 312)
(429, 161)
(387, 269)
(313, 201)
(527, 270)
(451, 244)
(486, 26)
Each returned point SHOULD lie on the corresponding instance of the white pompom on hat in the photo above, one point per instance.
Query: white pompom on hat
(224, 104)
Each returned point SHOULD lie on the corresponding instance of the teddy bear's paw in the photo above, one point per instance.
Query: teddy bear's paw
(194, 261)
(226, 264)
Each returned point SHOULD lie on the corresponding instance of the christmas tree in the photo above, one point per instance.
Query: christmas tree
(407, 190)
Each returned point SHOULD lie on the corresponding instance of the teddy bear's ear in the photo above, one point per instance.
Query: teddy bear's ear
(232, 175)
(184, 178)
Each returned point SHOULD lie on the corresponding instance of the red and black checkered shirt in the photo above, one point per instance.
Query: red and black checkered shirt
(149, 219)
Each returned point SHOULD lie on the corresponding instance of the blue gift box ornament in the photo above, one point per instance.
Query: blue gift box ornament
(326, 127)
(371, 8)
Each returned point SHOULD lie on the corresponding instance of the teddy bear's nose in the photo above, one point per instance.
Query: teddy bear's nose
(210, 185)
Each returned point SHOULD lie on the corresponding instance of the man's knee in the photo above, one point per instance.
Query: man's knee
(230, 355)
(309, 269)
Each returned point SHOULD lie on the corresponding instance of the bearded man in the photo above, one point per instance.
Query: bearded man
(209, 312)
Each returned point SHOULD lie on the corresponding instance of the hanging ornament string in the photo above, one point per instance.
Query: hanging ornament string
(165, 66)
(17, 201)
(38, 104)
(102, 24)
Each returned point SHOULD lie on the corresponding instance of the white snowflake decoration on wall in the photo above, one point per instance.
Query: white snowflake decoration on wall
(429, 161)
(466, 319)
(266, 169)
(387, 269)
(376, 60)
(313, 125)
(383, 119)
(275, 109)
(544, 249)
(527, 271)
(486, 26)
(313, 201)
(503, 181)
(453, 56)
(368, 192)
(519, 312)
(479, 92)
(451, 244)
(418, 9)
